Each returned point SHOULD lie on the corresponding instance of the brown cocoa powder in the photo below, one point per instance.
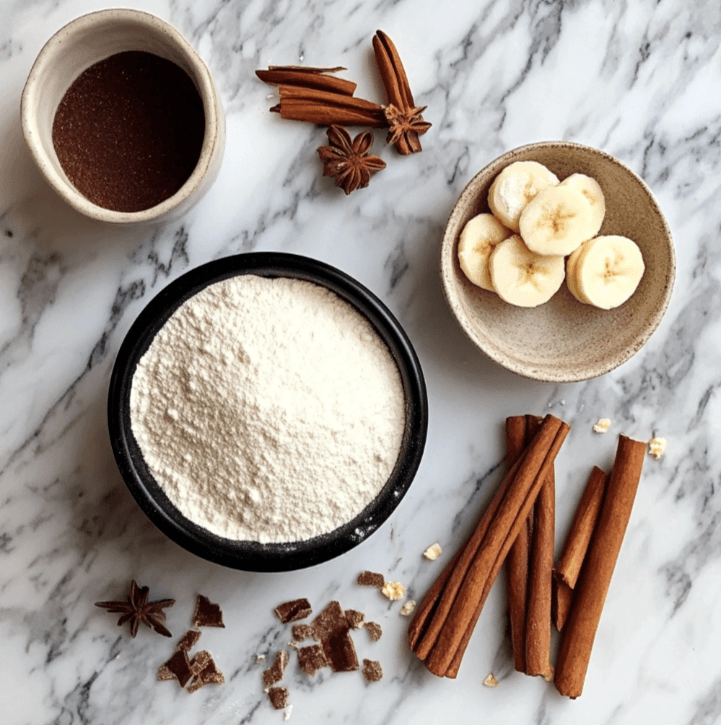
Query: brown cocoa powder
(129, 131)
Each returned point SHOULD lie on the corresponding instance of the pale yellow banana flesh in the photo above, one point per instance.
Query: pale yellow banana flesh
(592, 191)
(557, 221)
(478, 239)
(523, 278)
(608, 271)
(515, 187)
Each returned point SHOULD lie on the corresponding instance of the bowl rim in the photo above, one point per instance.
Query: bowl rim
(469, 194)
(245, 555)
(200, 76)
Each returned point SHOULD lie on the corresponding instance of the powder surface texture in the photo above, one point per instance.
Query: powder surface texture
(268, 409)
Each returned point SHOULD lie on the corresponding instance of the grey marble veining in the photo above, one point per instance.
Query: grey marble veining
(639, 80)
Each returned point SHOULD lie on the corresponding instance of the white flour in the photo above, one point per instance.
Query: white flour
(268, 410)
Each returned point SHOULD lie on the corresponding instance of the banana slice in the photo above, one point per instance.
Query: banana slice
(571, 271)
(556, 221)
(591, 189)
(608, 271)
(523, 278)
(478, 240)
(514, 187)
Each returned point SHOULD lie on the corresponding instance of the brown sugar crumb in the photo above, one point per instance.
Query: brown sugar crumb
(179, 668)
(371, 579)
(189, 640)
(302, 632)
(331, 629)
(372, 670)
(311, 659)
(275, 672)
(355, 618)
(278, 697)
(293, 611)
(205, 671)
(374, 630)
(207, 614)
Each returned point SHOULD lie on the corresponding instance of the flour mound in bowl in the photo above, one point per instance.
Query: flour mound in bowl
(268, 410)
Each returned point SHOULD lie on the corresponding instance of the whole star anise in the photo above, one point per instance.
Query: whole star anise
(348, 162)
(138, 609)
(405, 127)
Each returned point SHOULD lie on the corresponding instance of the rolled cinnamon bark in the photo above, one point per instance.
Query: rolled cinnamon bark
(517, 560)
(441, 631)
(561, 603)
(580, 629)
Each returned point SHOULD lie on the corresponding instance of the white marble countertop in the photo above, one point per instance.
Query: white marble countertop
(639, 80)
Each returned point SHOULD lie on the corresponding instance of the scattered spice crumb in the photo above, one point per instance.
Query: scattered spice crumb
(178, 667)
(657, 447)
(372, 670)
(311, 659)
(302, 632)
(371, 579)
(188, 640)
(433, 551)
(393, 590)
(408, 607)
(205, 671)
(602, 426)
(293, 611)
(374, 630)
(259, 658)
(288, 712)
(278, 697)
(275, 672)
(355, 619)
(490, 681)
(331, 629)
(207, 614)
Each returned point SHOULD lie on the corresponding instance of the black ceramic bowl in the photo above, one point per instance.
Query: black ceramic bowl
(251, 555)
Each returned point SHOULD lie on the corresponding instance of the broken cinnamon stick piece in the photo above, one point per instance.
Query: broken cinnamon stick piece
(440, 632)
(580, 629)
(517, 560)
(540, 571)
(574, 549)
(328, 108)
(306, 78)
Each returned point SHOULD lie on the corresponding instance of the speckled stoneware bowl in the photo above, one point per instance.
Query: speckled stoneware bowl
(565, 340)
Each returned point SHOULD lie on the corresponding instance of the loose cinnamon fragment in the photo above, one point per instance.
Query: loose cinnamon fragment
(207, 614)
(580, 629)
(442, 627)
(316, 78)
(331, 629)
(311, 659)
(348, 162)
(372, 670)
(356, 619)
(301, 632)
(370, 579)
(293, 611)
(178, 666)
(189, 640)
(205, 671)
(276, 671)
(374, 630)
(404, 118)
(278, 697)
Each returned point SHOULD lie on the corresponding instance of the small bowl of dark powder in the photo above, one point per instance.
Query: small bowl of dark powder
(267, 411)
(122, 117)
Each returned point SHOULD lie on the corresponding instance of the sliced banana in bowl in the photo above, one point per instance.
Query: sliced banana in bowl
(563, 340)
(478, 239)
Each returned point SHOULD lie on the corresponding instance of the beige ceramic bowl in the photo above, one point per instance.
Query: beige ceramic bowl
(565, 340)
(86, 41)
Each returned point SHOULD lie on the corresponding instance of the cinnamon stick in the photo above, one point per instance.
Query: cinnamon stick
(328, 108)
(540, 570)
(442, 627)
(580, 629)
(517, 560)
(574, 549)
(315, 78)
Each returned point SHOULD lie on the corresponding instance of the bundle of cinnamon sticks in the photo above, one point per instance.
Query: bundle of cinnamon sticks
(518, 526)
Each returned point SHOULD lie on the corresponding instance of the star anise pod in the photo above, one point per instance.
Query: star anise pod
(405, 127)
(348, 162)
(138, 609)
